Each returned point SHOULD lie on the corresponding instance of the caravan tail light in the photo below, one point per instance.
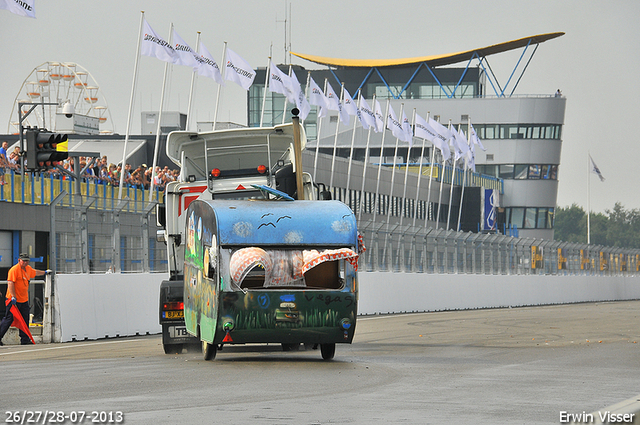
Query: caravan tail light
(262, 169)
(215, 173)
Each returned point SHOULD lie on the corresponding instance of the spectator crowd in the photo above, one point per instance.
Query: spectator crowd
(96, 170)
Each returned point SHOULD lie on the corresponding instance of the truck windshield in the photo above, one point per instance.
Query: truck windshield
(254, 267)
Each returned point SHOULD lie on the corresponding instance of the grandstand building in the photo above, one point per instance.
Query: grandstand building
(522, 135)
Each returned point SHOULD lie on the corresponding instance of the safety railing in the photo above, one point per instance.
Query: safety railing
(418, 250)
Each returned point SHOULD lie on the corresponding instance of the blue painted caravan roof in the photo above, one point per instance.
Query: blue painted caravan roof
(326, 223)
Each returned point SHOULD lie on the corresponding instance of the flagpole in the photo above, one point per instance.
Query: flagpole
(406, 171)
(375, 208)
(415, 207)
(306, 91)
(284, 112)
(133, 91)
(264, 96)
(464, 177)
(453, 177)
(158, 127)
(215, 112)
(588, 198)
(353, 141)
(335, 140)
(441, 184)
(315, 160)
(431, 160)
(366, 161)
(393, 175)
(193, 80)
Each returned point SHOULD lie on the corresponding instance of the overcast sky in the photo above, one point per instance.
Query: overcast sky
(595, 63)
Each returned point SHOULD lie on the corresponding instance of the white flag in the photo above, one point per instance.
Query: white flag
(301, 101)
(279, 82)
(424, 130)
(441, 141)
(207, 66)
(394, 125)
(459, 143)
(471, 157)
(317, 97)
(366, 115)
(595, 170)
(184, 53)
(238, 70)
(19, 7)
(475, 139)
(156, 46)
(349, 105)
(332, 98)
(407, 130)
(379, 118)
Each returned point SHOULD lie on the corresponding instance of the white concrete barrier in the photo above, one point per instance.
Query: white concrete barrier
(91, 306)
(385, 292)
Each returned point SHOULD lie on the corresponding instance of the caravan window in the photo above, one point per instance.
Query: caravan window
(254, 267)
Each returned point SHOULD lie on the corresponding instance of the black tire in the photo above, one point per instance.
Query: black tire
(172, 348)
(328, 351)
(208, 350)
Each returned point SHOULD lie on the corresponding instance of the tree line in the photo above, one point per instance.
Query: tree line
(617, 227)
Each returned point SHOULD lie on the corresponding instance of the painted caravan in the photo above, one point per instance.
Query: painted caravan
(271, 271)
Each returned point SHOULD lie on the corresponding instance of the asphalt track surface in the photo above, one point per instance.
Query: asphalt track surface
(499, 366)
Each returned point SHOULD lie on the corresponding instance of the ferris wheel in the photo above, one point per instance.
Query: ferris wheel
(60, 83)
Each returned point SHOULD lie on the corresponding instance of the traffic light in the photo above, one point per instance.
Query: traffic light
(42, 152)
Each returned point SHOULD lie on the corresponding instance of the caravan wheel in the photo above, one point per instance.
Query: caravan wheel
(208, 350)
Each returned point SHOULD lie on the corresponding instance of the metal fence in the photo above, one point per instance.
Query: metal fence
(92, 236)
(418, 250)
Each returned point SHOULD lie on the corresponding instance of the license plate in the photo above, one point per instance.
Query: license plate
(173, 314)
(178, 331)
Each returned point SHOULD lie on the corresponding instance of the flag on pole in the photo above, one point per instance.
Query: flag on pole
(185, 55)
(349, 105)
(396, 126)
(475, 140)
(19, 7)
(238, 70)
(366, 115)
(155, 46)
(407, 130)
(459, 143)
(332, 98)
(471, 157)
(207, 66)
(441, 136)
(379, 118)
(301, 100)
(317, 98)
(595, 170)
(279, 82)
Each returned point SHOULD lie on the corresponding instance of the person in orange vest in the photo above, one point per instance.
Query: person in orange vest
(18, 294)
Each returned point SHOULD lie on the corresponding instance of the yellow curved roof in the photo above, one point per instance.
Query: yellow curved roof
(434, 60)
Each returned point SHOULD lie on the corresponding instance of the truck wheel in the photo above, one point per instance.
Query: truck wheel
(172, 348)
(328, 351)
(208, 350)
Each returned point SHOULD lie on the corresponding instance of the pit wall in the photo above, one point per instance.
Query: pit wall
(110, 305)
